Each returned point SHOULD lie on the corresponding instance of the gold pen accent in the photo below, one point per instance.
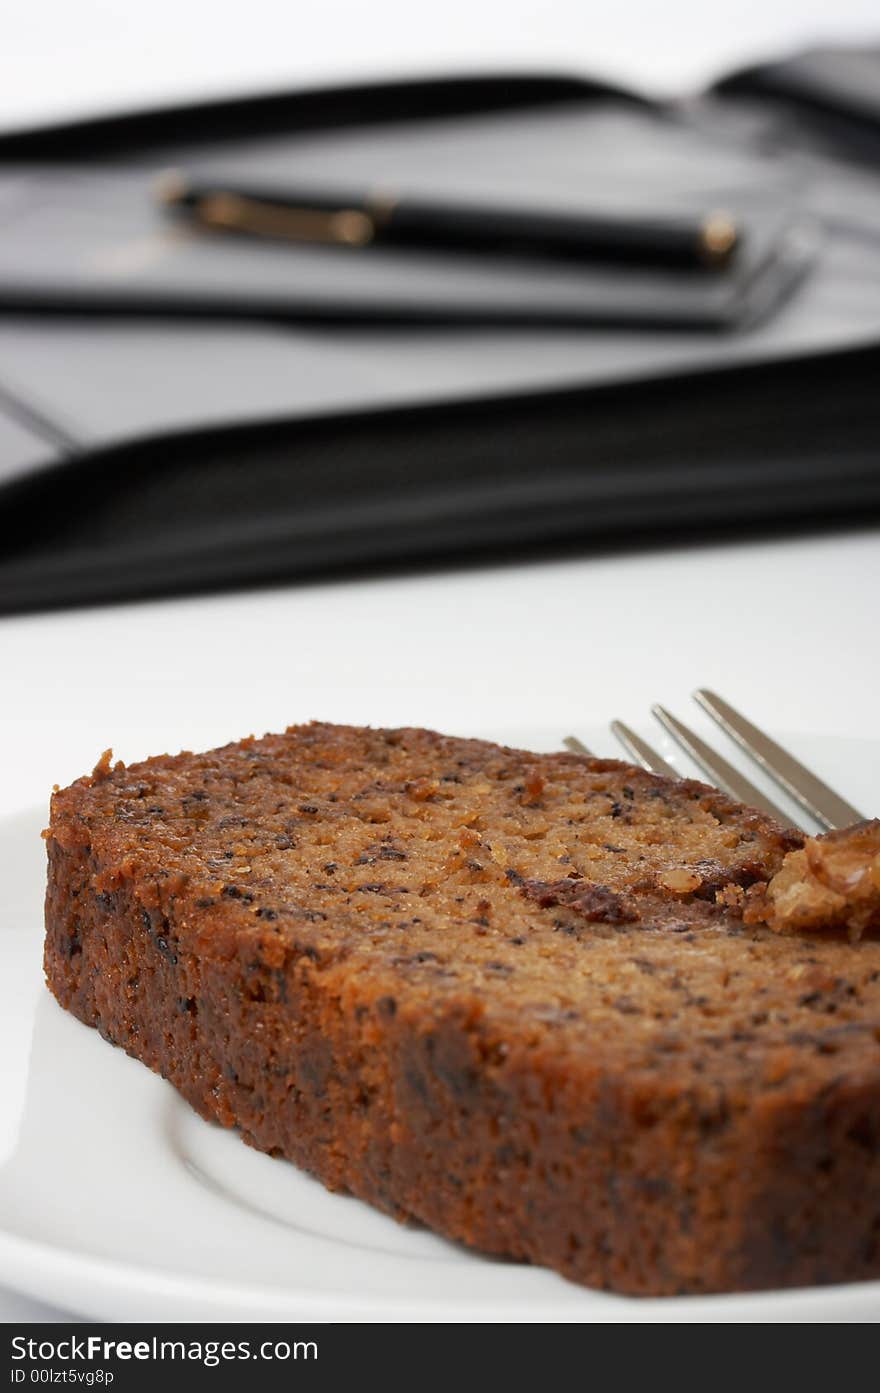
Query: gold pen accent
(718, 237)
(237, 213)
(233, 212)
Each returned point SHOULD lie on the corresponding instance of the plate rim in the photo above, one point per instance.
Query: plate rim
(233, 1301)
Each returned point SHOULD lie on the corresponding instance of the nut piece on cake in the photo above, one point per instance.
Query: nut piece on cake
(833, 882)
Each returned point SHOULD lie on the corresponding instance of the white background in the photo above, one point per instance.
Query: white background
(787, 629)
(62, 55)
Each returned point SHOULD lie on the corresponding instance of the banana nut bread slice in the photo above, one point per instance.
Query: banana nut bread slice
(512, 996)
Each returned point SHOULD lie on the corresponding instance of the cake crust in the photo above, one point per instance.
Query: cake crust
(511, 996)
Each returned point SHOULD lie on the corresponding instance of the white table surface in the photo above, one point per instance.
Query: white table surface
(786, 629)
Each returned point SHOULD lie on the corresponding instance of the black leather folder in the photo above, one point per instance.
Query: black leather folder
(185, 410)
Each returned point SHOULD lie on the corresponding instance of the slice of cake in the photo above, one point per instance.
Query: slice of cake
(512, 996)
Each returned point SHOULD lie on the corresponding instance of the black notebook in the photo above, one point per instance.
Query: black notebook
(180, 408)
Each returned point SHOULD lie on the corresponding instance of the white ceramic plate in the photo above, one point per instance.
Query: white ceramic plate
(118, 1201)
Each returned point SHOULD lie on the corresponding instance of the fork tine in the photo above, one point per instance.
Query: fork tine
(643, 753)
(820, 801)
(577, 747)
(722, 774)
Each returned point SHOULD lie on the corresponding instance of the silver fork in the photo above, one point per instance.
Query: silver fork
(821, 802)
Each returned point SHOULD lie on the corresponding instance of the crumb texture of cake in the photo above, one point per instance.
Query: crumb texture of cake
(512, 996)
(832, 882)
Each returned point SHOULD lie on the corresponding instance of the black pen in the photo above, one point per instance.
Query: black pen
(381, 219)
